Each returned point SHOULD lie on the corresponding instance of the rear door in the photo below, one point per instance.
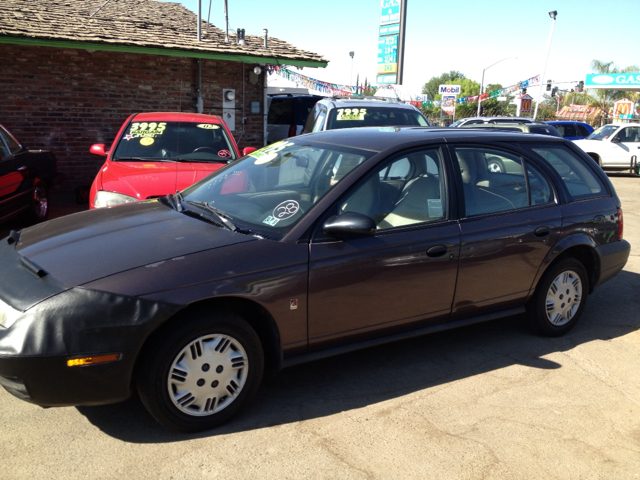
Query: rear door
(404, 276)
(509, 222)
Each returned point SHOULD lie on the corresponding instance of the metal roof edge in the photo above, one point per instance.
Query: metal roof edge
(160, 51)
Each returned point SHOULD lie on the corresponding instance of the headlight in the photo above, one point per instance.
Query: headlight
(110, 199)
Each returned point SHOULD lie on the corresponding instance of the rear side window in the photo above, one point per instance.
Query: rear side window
(580, 180)
(583, 131)
(496, 181)
(281, 111)
(545, 131)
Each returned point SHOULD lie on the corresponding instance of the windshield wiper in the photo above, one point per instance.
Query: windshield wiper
(223, 217)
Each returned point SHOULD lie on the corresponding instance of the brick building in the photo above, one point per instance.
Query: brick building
(72, 72)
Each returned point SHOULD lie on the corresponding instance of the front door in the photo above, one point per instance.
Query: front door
(400, 278)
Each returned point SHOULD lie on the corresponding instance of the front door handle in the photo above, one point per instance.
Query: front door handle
(437, 251)
(542, 231)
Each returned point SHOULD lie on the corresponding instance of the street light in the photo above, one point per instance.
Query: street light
(351, 54)
(553, 16)
(482, 84)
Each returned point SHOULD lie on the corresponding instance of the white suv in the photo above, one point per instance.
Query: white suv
(613, 145)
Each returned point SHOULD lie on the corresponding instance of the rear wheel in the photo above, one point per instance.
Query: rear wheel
(199, 375)
(39, 203)
(560, 298)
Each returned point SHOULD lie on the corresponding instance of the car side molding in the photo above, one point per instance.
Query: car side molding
(435, 328)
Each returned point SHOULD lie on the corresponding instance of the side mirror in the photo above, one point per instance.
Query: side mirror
(98, 149)
(349, 223)
(248, 150)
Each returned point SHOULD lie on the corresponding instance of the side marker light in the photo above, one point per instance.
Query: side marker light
(79, 362)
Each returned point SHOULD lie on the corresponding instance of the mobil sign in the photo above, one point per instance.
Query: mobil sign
(449, 90)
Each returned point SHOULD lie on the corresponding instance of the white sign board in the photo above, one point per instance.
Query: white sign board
(449, 90)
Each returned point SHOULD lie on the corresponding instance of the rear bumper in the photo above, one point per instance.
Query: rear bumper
(613, 257)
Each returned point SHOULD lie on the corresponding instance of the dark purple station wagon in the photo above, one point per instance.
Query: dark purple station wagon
(310, 247)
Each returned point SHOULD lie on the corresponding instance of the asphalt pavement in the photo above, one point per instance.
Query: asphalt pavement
(491, 401)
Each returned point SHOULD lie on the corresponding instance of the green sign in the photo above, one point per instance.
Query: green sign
(389, 11)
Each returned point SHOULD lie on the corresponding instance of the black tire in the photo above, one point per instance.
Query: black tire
(560, 298)
(38, 210)
(217, 359)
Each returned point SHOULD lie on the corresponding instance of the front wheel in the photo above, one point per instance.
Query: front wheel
(199, 375)
(560, 298)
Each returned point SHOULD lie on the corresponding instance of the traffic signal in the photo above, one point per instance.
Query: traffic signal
(580, 86)
(524, 90)
(549, 85)
(554, 91)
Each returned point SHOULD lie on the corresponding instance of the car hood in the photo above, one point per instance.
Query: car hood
(143, 180)
(86, 246)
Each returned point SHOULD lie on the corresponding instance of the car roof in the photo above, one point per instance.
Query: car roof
(359, 102)
(378, 139)
(178, 116)
(561, 122)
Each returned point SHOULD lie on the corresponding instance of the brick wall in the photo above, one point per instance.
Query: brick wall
(66, 100)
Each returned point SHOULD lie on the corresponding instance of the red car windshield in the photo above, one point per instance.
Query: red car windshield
(171, 141)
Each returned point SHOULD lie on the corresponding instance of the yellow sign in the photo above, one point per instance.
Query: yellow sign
(387, 68)
(146, 141)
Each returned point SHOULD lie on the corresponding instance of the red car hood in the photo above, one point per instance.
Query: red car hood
(144, 180)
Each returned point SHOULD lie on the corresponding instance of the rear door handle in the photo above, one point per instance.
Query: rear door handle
(542, 231)
(437, 251)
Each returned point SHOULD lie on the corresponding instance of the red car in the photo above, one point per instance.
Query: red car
(158, 153)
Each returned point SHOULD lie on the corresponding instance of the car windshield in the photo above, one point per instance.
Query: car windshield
(603, 132)
(171, 141)
(457, 122)
(374, 117)
(268, 191)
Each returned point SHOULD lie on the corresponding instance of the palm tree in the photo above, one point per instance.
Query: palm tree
(604, 98)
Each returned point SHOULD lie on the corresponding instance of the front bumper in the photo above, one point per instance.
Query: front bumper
(49, 323)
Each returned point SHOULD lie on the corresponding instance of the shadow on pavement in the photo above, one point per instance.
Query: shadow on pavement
(355, 380)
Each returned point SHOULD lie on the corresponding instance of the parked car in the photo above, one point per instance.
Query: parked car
(572, 130)
(540, 128)
(25, 178)
(159, 153)
(465, 122)
(614, 145)
(307, 248)
(287, 114)
(335, 113)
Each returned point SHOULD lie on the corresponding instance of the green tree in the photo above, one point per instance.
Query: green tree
(450, 78)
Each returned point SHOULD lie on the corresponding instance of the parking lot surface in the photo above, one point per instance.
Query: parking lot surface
(491, 401)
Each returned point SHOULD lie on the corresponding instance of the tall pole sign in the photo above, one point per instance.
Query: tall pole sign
(391, 41)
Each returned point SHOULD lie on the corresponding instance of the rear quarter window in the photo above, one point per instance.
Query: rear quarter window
(580, 181)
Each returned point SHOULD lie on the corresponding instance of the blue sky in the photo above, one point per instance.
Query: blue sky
(463, 35)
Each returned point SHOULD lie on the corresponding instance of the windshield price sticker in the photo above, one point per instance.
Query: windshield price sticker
(269, 153)
(286, 209)
(144, 129)
(351, 113)
(208, 126)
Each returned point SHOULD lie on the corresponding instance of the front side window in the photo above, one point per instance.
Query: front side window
(170, 141)
(14, 146)
(496, 181)
(629, 135)
(405, 191)
(580, 180)
(270, 190)
(373, 117)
